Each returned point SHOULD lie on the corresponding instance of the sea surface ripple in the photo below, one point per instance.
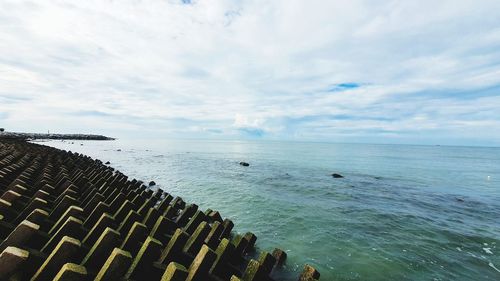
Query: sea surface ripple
(402, 212)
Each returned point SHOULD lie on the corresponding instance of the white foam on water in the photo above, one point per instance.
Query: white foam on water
(493, 266)
(488, 251)
(472, 254)
(458, 248)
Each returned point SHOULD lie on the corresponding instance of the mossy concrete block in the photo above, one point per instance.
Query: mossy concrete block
(10, 196)
(137, 233)
(196, 240)
(60, 208)
(36, 203)
(280, 256)
(213, 236)
(72, 211)
(173, 250)
(162, 228)
(38, 216)
(240, 244)
(145, 207)
(215, 216)
(267, 262)
(221, 266)
(105, 221)
(178, 203)
(19, 188)
(251, 238)
(309, 274)
(151, 217)
(170, 213)
(98, 254)
(129, 220)
(48, 188)
(175, 272)
(186, 214)
(8, 212)
(42, 194)
(11, 260)
(117, 202)
(87, 196)
(253, 272)
(138, 200)
(149, 252)
(115, 267)
(96, 214)
(228, 227)
(68, 192)
(5, 205)
(165, 203)
(65, 251)
(123, 211)
(20, 236)
(199, 269)
(71, 228)
(193, 223)
(92, 203)
(71, 272)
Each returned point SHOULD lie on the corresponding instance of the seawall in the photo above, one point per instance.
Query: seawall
(66, 216)
(37, 136)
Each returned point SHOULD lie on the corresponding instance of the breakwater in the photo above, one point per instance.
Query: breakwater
(38, 136)
(65, 216)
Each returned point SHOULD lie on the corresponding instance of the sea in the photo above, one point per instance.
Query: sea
(401, 212)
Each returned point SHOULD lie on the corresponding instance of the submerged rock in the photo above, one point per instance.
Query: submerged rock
(244, 164)
(152, 183)
(337, 176)
(459, 199)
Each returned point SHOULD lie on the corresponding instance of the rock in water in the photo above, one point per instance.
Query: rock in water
(107, 163)
(244, 164)
(151, 183)
(337, 176)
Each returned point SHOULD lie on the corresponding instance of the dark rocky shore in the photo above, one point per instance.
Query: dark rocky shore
(66, 216)
(37, 136)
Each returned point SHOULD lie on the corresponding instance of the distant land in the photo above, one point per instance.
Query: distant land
(38, 136)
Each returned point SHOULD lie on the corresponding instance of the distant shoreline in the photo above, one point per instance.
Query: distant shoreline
(38, 136)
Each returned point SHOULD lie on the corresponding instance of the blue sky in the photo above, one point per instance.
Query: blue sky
(342, 71)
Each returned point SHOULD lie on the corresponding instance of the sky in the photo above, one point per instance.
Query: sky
(421, 72)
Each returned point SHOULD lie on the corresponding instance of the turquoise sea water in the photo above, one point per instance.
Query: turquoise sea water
(401, 213)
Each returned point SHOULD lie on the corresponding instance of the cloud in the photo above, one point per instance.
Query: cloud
(248, 127)
(393, 71)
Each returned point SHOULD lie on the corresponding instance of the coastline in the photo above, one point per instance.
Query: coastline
(76, 198)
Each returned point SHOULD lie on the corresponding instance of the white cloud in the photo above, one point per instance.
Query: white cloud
(219, 66)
